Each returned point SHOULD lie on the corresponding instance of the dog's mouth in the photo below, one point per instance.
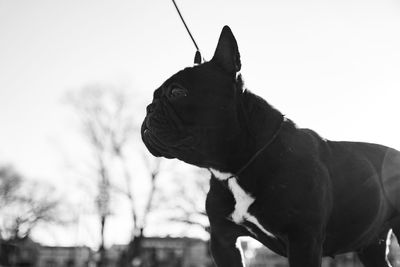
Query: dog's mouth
(164, 140)
(147, 140)
(163, 131)
(153, 144)
(170, 143)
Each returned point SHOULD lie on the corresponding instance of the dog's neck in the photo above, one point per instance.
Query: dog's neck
(263, 119)
(261, 122)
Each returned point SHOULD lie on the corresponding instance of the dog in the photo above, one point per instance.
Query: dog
(302, 196)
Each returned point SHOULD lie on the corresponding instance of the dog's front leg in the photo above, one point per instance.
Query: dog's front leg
(224, 251)
(224, 235)
(305, 250)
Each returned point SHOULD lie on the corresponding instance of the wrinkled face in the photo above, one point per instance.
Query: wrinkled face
(193, 115)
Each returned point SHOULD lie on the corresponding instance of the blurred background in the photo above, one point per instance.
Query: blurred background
(77, 186)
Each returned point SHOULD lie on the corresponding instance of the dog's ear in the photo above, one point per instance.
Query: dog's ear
(227, 53)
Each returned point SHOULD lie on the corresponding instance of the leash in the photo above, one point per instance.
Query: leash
(197, 57)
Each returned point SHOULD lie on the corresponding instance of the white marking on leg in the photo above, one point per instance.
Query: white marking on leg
(387, 249)
(254, 221)
(239, 247)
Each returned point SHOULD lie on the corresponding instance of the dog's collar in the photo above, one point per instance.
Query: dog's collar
(252, 159)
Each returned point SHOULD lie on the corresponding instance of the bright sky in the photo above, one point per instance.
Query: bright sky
(332, 66)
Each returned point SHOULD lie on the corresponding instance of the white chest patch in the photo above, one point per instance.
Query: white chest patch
(243, 200)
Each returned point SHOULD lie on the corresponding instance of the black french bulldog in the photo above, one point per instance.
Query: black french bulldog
(300, 195)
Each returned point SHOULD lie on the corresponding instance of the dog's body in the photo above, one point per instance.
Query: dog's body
(315, 189)
(300, 195)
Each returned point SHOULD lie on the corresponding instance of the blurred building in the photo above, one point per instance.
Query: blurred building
(21, 252)
(64, 257)
(264, 257)
(167, 252)
(156, 252)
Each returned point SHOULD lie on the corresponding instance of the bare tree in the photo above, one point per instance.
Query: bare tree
(186, 201)
(109, 128)
(133, 251)
(10, 181)
(24, 204)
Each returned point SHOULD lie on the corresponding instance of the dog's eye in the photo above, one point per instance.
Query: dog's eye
(177, 92)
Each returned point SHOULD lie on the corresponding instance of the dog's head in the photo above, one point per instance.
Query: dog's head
(194, 114)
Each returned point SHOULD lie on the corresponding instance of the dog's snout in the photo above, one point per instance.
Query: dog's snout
(150, 108)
